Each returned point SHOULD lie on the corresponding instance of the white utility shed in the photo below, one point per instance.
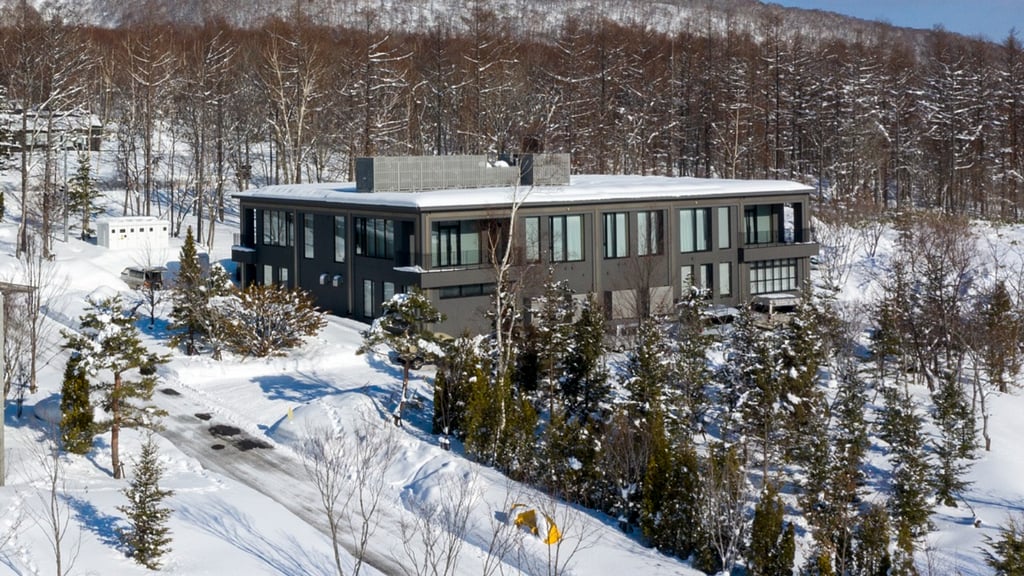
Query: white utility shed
(146, 232)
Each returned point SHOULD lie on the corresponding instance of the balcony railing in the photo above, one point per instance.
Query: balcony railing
(798, 236)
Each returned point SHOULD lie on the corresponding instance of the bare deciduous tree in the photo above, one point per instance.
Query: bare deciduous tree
(433, 537)
(349, 470)
(55, 517)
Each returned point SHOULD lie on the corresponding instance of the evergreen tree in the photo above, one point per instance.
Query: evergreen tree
(403, 327)
(148, 539)
(1006, 553)
(772, 546)
(571, 452)
(552, 328)
(690, 375)
(584, 387)
(214, 327)
(1001, 326)
(954, 449)
(755, 387)
(189, 298)
(452, 386)
(901, 428)
(871, 542)
(83, 193)
(669, 506)
(806, 345)
(647, 368)
(76, 422)
(108, 342)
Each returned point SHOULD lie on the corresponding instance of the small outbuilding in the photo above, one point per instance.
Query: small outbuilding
(147, 232)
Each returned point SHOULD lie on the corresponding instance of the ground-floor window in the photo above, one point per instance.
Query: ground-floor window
(268, 274)
(700, 277)
(769, 276)
(282, 276)
(368, 298)
(389, 291)
(724, 279)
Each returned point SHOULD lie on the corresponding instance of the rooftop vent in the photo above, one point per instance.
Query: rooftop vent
(420, 173)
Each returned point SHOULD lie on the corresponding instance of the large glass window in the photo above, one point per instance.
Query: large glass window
(307, 235)
(531, 236)
(686, 278)
(758, 223)
(616, 235)
(567, 238)
(699, 276)
(368, 298)
(389, 291)
(268, 275)
(455, 243)
(649, 233)
(724, 227)
(375, 237)
(278, 228)
(724, 279)
(282, 276)
(339, 238)
(694, 229)
(770, 276)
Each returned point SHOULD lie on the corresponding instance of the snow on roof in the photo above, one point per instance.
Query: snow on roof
(582, 189)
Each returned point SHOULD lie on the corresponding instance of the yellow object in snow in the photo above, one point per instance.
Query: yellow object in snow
(538, 523)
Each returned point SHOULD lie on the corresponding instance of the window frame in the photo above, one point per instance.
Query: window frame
(694, 230)
(559, 246)
(616, 235)
(308, 236)
(650, 231)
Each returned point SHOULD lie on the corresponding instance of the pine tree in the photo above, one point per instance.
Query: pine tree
(871, 542)
(1006, 553)
(954, 449)
(76, 423)
(687, 398)
(585, 386)
(756, 386)
(403, 327)
(772, 546)
(669, 505)
(148, 539)
(647, 368)
(189, 298)
(108, 342)
(452, 386)
(1001, 325)
(901, 428)
(83, 193)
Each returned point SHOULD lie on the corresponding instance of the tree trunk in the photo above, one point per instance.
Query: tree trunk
(115, 426)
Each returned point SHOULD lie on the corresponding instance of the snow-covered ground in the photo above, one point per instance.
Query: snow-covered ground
(243, 502)
(244, 510)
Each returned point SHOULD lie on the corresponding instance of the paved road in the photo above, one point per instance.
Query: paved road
(233, 456)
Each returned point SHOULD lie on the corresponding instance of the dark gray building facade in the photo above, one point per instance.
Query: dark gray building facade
(441, 223)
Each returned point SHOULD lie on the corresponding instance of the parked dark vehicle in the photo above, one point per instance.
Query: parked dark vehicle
(140, 277)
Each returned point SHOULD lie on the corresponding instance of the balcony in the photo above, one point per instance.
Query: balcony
(777, 244)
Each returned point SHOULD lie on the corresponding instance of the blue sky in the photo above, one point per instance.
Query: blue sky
(992, 19)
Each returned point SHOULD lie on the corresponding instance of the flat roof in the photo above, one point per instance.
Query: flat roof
(581, 189)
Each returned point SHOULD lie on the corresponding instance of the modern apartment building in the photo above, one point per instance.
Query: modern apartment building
(439, 223)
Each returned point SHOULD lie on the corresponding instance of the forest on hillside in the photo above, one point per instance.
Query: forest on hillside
(873, 115)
